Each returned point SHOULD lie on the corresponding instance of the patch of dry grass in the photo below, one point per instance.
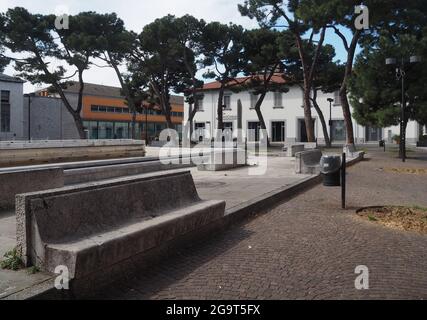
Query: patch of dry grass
(407, 170)
(401, 218)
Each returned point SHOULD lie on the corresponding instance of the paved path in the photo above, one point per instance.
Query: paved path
(306, 248)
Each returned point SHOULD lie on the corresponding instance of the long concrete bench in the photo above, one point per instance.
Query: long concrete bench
(91, 227)
(308, 162)
(91, 174)
(21, 181)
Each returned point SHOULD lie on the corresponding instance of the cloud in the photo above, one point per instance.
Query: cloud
(136, 14)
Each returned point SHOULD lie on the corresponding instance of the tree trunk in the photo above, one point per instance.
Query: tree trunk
(79, 125)
(164, 104)
(220, 109)
(347, 116)
(133, 125)
(74, 113)
(260, 115)
(343, 90)
(167, 110)
(322, 120)
(307, 114)
(131, 102)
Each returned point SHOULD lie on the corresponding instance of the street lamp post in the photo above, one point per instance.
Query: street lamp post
(400, 75)
(330, 100)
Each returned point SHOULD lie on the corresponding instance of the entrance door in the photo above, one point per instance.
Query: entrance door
(200, 130)
(303, 130)
(253, 131)
(373, 134)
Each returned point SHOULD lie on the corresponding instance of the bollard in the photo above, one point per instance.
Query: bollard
(343, 180)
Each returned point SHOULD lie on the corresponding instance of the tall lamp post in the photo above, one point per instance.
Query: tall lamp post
(330, 100)
(400, 75)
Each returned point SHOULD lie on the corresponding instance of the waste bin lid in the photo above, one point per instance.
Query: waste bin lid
(329, 164)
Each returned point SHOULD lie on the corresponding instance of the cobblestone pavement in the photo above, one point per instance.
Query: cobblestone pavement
(307, 248)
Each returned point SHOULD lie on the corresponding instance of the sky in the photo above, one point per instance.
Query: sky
(138, 13)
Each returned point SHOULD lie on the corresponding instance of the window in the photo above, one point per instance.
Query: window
(92, 127)
(254, 100)
(338, 130)
(95, 108)
(278, 99)
(200, 104)
(177, 114)
(227, 102)
(337, 98)
(105, 130)
(278, 131)
(121, 130)
(5, 111)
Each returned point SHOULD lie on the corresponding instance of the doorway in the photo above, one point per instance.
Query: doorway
(278, 131)
(373, 134)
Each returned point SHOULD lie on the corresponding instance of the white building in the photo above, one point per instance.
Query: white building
(284, 117)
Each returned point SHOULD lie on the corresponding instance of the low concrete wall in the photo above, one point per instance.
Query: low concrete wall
(91, 227)
(16, 182)
(43, 144)
(28, 153)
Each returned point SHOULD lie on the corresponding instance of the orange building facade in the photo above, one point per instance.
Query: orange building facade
(106, 116)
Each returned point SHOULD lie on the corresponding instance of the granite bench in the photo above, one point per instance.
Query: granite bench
(90, 228)
(308, 162)
(224, 159)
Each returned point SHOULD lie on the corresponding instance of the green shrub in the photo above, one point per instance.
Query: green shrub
(13, 260)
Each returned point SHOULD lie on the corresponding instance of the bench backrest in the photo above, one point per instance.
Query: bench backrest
(310, 157)
(75, 212)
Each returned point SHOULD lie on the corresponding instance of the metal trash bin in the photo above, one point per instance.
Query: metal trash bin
(382, 143)
(330, 168)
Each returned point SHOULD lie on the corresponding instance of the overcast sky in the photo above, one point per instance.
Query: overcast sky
(136, 14)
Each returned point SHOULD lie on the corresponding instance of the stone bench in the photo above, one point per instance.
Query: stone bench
(14, 182)
(224, 159)
(90, 228)
(291, 150)
(308, 162)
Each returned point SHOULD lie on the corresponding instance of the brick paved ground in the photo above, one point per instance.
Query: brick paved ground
(306, 248)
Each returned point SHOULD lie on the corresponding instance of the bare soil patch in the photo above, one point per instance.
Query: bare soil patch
(401, 218)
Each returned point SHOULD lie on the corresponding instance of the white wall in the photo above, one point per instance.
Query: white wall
(291, 112)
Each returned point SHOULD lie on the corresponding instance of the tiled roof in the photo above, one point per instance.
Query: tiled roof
(277, 78)
(6, 78)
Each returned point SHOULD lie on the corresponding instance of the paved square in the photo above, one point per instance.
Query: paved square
(306, 248)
